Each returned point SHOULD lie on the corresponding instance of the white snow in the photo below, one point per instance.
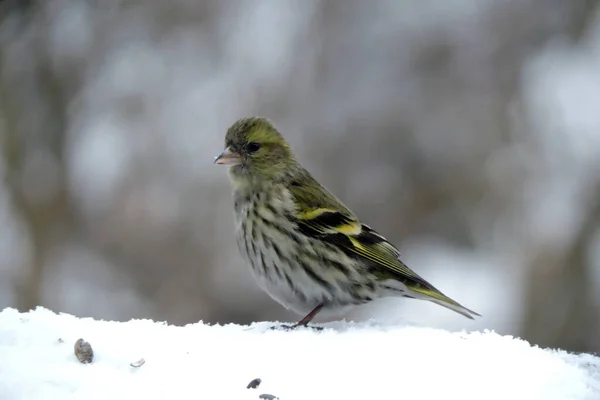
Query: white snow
(344, 361)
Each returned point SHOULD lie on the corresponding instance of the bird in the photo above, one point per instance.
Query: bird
(304, 247)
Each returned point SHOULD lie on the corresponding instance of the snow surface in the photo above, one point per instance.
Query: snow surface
(344, 361)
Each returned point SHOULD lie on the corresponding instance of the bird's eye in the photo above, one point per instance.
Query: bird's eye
(252, 147)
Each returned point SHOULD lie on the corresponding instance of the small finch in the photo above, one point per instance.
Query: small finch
(306, 249)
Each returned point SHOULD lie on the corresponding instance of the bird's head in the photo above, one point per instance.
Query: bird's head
(256, 152)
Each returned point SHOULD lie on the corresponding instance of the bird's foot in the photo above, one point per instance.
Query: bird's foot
(303, 323)
(284, 327)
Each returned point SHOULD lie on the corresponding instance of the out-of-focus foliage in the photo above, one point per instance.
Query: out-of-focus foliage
(464, 131)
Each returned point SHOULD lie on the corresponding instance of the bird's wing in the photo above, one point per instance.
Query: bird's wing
(357, 239)
(322, 216)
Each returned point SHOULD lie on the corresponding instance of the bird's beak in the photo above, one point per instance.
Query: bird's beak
(228, 157)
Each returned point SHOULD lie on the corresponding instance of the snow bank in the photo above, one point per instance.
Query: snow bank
(344, 361)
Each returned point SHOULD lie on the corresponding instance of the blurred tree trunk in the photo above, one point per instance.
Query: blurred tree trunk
(559, 309)
(579, 331)
(559, 302)
(33, 107)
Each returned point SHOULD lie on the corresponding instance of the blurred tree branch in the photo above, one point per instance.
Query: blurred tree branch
(583, 16)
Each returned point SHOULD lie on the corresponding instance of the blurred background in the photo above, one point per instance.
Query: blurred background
(465, 131)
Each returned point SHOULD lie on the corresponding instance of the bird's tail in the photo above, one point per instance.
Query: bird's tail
(437, 297)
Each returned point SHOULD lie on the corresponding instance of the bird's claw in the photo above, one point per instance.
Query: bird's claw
(284, 327)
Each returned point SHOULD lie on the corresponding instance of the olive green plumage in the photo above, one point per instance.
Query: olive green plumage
(305, 247)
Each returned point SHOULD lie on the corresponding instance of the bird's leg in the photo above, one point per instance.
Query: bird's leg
(304, 321)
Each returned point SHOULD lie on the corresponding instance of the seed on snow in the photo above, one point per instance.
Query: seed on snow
(83, 351)
(254, 383)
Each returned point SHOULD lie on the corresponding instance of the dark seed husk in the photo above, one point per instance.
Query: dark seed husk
(83, 351)
(254, 383)
(266, 396)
